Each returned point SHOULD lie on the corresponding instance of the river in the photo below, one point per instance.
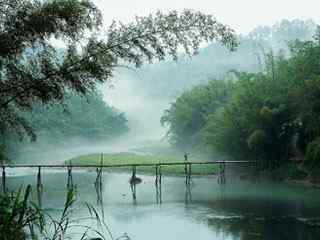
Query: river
(237, 210)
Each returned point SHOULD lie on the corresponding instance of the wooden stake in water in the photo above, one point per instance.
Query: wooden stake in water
(3, 179)
(39, 183)
(160, 175)
(222, 177)
(156, 181)
(158, 185)
(70, 180)
(189, 174)
(98, 182)
(39, 187)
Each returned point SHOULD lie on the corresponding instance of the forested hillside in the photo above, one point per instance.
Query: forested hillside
(88, 118)
(271, 115)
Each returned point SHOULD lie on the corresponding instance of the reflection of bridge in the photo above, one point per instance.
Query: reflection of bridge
(133, 180)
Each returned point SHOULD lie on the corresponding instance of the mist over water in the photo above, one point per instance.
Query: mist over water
(142, 110)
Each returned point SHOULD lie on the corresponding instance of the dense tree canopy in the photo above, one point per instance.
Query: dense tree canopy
(80, 119)
(33, 70)
(188, 115)
(89, 118)
(272, 116)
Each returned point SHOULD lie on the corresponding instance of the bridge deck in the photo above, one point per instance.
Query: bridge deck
(120, 165)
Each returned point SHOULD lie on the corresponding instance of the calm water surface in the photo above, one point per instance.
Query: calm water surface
(238, 210)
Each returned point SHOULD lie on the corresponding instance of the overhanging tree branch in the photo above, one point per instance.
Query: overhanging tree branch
(48, 75)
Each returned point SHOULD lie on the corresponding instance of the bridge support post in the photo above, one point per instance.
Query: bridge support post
(158, 184)
(133, 183)
(222, 169)
(187, 170)
(3, 179)
(39, 183)
(134, 170)
(160, 175)
(98, 185)
(39, 187)
(189, 174)
(70, 180)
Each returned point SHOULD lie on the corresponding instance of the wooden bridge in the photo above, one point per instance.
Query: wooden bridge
(99, 167)
(121, 165)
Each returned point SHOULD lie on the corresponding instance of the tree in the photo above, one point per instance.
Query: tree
(89, 118)
(188, 115)
(32, 70)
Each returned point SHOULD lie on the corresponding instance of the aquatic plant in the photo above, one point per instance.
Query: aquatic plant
(22, 219)
(16, 214)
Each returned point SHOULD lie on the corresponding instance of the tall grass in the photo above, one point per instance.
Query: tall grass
(17, 214)
(21, 219)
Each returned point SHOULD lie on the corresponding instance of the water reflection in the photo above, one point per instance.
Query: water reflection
(239, 210)
(189, 184)
(256, 227)
(134, 192)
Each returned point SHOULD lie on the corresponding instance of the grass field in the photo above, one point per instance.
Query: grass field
(130, 158)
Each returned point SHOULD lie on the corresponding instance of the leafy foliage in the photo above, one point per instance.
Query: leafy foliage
(16, 213)
(271, 116)
(33, 71)
(89, 118)
(188, 115)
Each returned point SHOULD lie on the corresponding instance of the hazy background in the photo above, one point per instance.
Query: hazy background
(143, 94)
(135, 93)
(241, 15)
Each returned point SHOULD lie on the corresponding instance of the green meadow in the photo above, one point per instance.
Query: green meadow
(131, 158)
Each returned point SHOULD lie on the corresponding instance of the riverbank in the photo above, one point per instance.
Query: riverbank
(132, 158)
(292, 174)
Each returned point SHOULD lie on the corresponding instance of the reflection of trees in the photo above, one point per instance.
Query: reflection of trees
(253, 227)
(258, 218)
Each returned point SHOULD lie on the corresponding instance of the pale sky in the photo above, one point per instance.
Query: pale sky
(241, 15)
